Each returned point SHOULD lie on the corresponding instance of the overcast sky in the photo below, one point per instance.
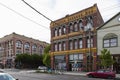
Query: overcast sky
(16, 16)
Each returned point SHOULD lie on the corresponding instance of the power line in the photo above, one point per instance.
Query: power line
(23, 16)
(111, 6)
(37, 11)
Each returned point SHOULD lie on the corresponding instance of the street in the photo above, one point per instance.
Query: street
(25, 75)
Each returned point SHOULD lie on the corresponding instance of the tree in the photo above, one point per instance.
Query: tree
(28, 61)
(46, 60)
(46, 56)
(106, 58)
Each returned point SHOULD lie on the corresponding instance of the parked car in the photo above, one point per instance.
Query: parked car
(42, 68)
(6, 76)
(102, 74)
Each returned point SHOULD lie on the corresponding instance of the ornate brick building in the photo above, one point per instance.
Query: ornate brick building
(73, 40)
(13, 44)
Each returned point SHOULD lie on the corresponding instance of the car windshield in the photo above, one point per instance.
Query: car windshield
(6, 77)
(100, 71)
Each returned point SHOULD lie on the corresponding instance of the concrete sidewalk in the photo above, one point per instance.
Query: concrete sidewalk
(75, 73)
(82, 73)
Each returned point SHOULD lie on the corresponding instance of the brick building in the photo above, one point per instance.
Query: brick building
(13, 44)
(73, 40)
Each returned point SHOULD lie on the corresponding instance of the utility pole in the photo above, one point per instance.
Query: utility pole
(90, 54)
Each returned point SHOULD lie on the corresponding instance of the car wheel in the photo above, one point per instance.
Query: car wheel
(109, 77)
(90, 76)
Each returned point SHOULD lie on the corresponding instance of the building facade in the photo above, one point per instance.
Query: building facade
(13, 44)
(73, 40)
(108, 36)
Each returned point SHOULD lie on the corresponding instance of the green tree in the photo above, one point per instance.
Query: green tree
(28, 61)
(46, 56)
(106, 58)
(46, 60)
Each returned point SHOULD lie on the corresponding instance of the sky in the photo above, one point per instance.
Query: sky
(16, 16)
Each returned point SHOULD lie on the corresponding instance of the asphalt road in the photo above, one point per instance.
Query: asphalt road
(25, 75)
(50, 77)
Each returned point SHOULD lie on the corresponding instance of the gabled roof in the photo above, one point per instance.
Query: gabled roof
(108, 20)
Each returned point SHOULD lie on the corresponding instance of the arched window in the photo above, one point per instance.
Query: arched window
(110, 40)
(90, 19)
(75, 27)
(71, 28)
(81, 25)
(26, 45)
(89, 22)
(60, 32)
(34, 48)
(76, 44)
(55, 32)
(41, 49)
(18, 44)
(64, 30)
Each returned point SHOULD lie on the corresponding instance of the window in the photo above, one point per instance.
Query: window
(71, 57)
(75, 27)
(18, 52)
(80, 56)
(106, 43)
(27, 45)
(110, 40)
(71, 28)
(90, 20)
(55, 47)
(113, 42)
(71, 45)
(60, 47)
(41, 50)
(76, 44)
(55, 32)
(64, 46)
(59, 31)
(80, 25)
(64, 30)
(34, 47)
(18, 44)
(80, 43)
(74, 57)
(89, 42)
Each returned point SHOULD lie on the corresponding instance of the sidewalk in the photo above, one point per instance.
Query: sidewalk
(82, 73)
(75, 73)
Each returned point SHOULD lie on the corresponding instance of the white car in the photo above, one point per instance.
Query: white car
(6, 76)
(42, 67)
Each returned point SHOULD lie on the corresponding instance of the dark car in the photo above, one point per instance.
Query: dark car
(6, 76)
(102, 74)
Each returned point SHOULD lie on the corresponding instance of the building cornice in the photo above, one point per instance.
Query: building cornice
(94, 50)
(75, 16)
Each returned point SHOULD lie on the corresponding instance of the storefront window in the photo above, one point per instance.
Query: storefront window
(71, 57)
(60, 62)
(76, 57)
(76, 61)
